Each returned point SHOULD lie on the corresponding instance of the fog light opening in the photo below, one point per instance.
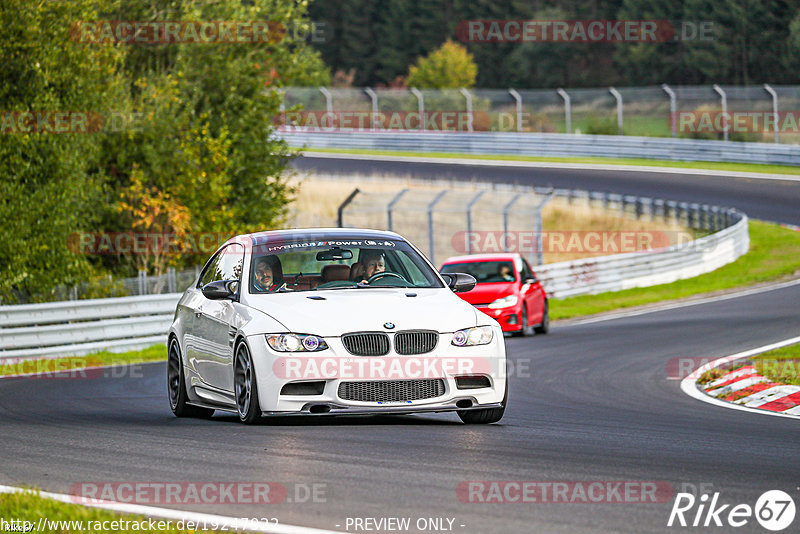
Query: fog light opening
(464, 403)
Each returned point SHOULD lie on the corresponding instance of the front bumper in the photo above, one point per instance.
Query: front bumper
(508, 318)
(270, 379)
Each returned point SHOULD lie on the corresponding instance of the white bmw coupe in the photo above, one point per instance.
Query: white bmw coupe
(336, 322)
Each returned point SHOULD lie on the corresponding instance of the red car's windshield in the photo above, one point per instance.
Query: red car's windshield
(485, 272)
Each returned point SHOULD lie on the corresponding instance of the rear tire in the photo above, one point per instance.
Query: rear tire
(485, 416)
(544, 326)
(245, 387)
(176, 386)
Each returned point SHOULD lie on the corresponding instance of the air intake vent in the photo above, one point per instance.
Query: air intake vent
(418, 342)
(392, 390)
(366, 344)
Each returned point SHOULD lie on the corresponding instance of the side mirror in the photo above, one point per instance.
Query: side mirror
(459, 282)
(221, 289)
(530, 280)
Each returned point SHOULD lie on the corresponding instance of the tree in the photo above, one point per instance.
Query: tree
(450, 66)
(50, 184)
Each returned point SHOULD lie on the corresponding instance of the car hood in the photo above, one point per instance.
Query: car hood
(356, 310)
(486, 293)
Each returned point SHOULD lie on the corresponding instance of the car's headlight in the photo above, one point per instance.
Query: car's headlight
(480, 335)
(505, 302)
(296, 342)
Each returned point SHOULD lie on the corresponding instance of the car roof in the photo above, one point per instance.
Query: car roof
(314, 234)
(474, 258)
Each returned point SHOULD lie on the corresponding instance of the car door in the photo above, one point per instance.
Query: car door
(214, 321)
(532, 293)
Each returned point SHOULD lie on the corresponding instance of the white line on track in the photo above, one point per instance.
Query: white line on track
(689, 386)
(232, 523)
(558, 165)
(683, 304)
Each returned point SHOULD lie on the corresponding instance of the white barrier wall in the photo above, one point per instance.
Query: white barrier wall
(641, 269)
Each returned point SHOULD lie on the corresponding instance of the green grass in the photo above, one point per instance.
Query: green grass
(774, 254)
(780, 365)
(30, 507)
(151, 354)
(710, 165)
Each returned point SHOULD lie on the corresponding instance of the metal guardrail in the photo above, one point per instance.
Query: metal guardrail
(642, 269)
(552, 145)
(85, 326)
(729, 240)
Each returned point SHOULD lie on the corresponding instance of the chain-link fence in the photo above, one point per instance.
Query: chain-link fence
(762, 113)
(105, 287)
(497, 217)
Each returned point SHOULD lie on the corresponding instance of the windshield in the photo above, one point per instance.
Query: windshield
(485, 272)
(340, 264)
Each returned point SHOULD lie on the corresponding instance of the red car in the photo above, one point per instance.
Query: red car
(507, 290)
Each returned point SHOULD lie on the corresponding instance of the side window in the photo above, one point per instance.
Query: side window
(526, 270)
(226, 265)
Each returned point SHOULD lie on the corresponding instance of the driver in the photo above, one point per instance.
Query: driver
(372, 263)
(264, 275)
(505, 272)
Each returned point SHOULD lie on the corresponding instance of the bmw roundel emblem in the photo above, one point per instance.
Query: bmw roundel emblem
(388, 325)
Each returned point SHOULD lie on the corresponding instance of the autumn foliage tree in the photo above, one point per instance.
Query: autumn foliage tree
(448, 67)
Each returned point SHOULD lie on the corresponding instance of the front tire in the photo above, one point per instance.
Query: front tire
(245, 387)
(523, 321)
(485, 416)
(176, 386)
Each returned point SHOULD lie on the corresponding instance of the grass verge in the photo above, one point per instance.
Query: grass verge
(709, 165)
(774, 254)
(780, 365)
(150, 354)
(29, 508)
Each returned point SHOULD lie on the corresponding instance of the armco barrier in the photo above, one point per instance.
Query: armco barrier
(85, 326)
(625, 271)
(554, 145)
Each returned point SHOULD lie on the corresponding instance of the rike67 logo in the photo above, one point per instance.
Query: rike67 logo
(774, 510)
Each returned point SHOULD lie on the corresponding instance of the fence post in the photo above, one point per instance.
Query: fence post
(390, 207)
(724, 101)
(537, 229)
(518, 98)
(431, 241)
(774, 96)
(567, 109)
(142, 282)
(672, 110)
(342, 206)
(171, 282)
(420, 107)
(328, 101)
(468, 98)
(373, 96)
(469, 218)
(506, 210)
(618, 96)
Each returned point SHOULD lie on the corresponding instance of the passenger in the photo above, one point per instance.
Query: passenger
(264, 275)
(372, 263)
